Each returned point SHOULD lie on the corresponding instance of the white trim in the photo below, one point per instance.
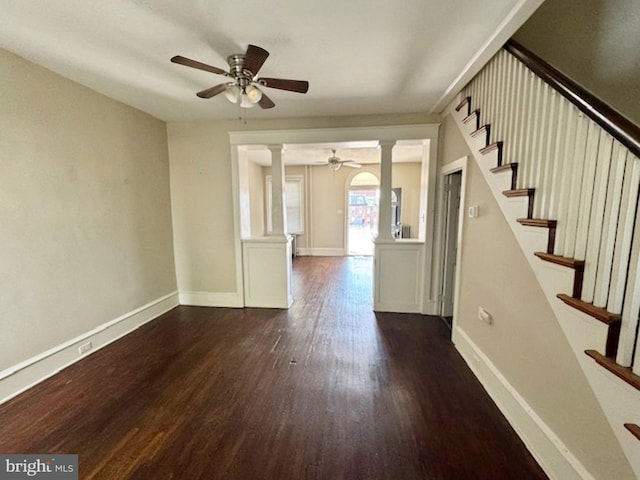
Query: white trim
(429, 175)
(335, 135)
(24, 375)
(459, 165)
(551, 453)
(237, 240)
(512, 22)
(211, 299)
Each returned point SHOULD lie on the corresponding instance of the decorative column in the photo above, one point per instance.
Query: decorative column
(278, 210)
(384, 209)
(267, 260)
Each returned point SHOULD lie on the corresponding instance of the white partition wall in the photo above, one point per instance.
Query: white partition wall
(399, 276)
(267, 272)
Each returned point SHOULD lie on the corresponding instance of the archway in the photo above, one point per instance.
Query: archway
(363, 194)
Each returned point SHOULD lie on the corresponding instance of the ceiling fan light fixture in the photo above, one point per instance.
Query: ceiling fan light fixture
(334, 166)
(253, 94)
(245, 102)
(232, 93)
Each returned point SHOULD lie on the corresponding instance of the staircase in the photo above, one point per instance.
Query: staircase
(565, 171)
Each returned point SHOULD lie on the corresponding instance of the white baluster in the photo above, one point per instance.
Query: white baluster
(588, 185)
(539, 147)
(629, 330)
(507, 147)
(569, 224)
(566, 175)
(596, 221)
(624, 234)
(546, 156)
(556, 159)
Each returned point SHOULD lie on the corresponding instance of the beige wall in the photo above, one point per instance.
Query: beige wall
(257, 199)
(407, 177)
(595, 42)
(525, 342)
(85, 224)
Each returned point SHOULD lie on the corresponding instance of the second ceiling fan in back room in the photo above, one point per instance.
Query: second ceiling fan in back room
(245, 88)
(334, 163)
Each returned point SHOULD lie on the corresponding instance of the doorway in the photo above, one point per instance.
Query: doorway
(451, 219)
(362, 213)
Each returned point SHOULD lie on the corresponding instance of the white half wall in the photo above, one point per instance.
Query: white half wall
(398, 276)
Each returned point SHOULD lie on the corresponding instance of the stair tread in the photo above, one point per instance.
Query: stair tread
(465, 101)
(505, 167)
(625, 373)
(491, 147)
(634, 429)
(484, 129)
(519, 192)
(596, 312)
(560, 260)
(537, 222)
(471, 116)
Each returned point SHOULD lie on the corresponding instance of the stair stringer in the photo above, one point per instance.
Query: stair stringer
(619, 401)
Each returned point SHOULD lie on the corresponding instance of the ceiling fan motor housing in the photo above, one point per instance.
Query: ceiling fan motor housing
(236, 68)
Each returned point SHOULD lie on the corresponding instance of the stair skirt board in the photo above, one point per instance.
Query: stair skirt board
(549, 451)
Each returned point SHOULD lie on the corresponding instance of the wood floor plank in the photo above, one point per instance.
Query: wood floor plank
(325, 390)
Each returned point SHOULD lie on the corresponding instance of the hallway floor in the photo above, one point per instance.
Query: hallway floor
(326, 390)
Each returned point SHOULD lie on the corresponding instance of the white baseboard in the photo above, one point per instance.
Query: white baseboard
(550, 452)
(18, 378)
(321, 252)
(211, 299)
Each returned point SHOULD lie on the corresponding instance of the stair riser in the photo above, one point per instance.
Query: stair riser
(479, 140)
(514, 208)
(504, 180)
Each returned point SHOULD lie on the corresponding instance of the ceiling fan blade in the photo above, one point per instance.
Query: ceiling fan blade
(266, 102)
(300, 86)
(195, 64)
(213, 91)
(255, 58)
(352, 165)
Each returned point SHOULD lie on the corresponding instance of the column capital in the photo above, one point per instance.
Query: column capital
(275, 147)
(387, 143)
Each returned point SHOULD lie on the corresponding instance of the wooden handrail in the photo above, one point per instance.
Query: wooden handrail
(617, 125)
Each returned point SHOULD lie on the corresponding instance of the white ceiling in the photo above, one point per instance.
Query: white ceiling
(360, 57)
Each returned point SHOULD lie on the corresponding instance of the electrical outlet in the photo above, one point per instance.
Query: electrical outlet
(85, 347)
(484, 316)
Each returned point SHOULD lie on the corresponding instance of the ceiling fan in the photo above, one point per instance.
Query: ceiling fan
(245, 87)
(335, 163)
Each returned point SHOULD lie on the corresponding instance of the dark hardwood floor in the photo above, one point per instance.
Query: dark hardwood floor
(326, 390)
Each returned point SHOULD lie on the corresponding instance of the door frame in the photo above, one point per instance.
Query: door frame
(459, 165)
(373, 169)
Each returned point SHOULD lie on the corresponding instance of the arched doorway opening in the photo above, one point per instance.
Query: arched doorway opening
(363, 194)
